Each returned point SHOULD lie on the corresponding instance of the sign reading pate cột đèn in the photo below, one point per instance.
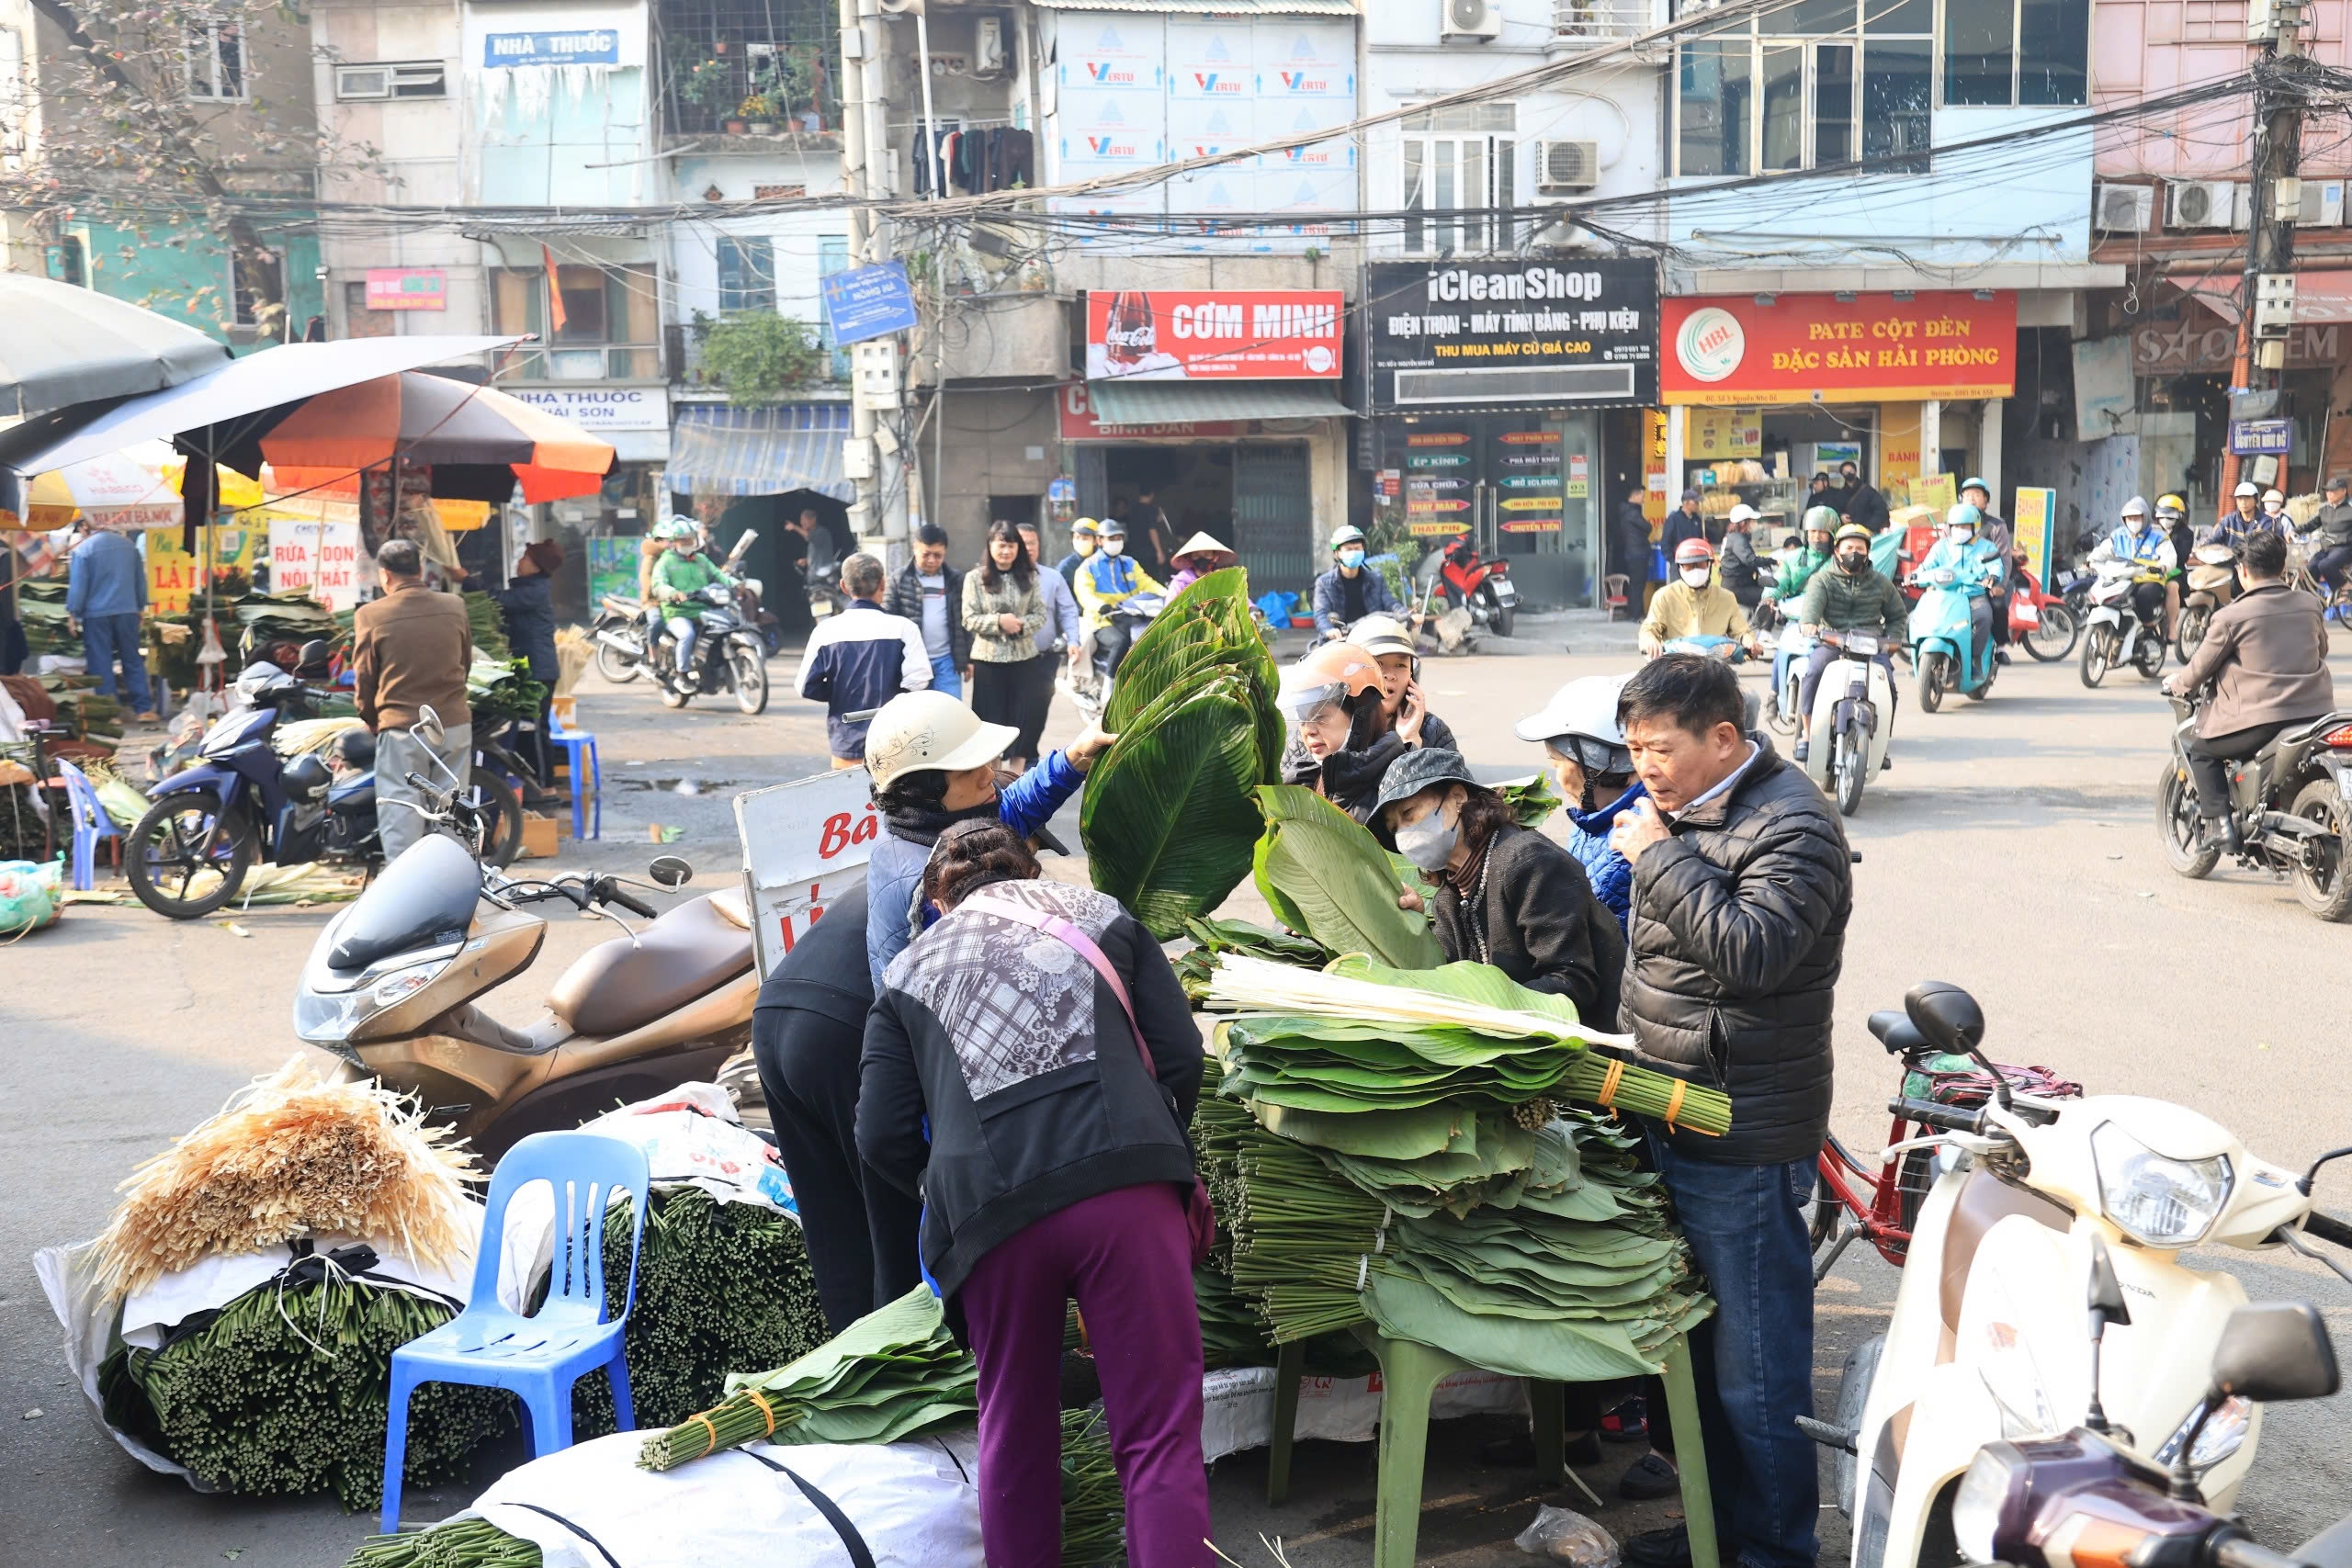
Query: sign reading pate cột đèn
(1521, 333)
(868, 302)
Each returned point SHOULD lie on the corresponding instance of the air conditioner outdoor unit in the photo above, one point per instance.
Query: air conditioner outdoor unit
(1564, 166)
(2203, 204)
(2124, 210)
(1475, 20)
(2323, 204)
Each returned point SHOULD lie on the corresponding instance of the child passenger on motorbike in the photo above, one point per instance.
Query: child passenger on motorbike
(1975, 563)
(1852, 596)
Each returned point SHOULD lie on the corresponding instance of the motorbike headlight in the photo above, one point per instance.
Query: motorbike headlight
(328, 1018)
(1976, 1508)
(2221, 1439)
(2153, 1199)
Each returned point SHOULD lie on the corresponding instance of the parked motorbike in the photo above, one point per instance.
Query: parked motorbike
(1942, 642)
(2090, 1499)
(1853, 718)
(2043, 624)
(822, 582)
(727, 656)
(1464, 579)
(242, 801)
(2115, 633)
(2292, 801)
(392, 985)
(1980, 1349)
(2212, 582)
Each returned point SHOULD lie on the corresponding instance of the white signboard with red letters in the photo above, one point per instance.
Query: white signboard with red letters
(804, 845)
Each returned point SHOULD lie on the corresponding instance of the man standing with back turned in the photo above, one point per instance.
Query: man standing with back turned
(1742, 889)
(409, 650)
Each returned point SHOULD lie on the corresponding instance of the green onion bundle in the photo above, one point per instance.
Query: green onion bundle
(286, 1393)
(472, 1543)
(1213, 937)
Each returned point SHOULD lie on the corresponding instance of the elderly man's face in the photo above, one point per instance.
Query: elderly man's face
(930, 559)
(1678, 766)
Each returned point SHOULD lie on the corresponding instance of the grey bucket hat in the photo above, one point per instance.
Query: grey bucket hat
(1417, 770)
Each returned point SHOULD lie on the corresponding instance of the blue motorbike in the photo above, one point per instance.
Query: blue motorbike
(241, 801)
(1942, 641)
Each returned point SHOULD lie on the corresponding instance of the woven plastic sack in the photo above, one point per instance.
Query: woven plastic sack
(28, 895)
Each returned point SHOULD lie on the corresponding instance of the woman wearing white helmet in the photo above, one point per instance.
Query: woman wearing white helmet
(1585, 746)
(1737, 563)
(934, 763)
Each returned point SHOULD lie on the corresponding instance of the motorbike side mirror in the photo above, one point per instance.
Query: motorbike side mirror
(427, 727)
(2268, 1351)
(314, 660)
(2304, 1186)
(2106, 1306)
(1950, 1020)
(670, 871)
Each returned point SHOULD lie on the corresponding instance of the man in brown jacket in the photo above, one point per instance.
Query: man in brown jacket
(409, 650)
(2266, 654)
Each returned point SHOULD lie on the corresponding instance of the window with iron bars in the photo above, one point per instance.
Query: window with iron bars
(747, 62)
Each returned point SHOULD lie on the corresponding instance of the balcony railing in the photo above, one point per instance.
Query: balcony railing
(590, 362)
(1601, 21)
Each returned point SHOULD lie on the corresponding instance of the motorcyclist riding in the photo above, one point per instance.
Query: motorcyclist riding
(1977, 562)
(682, 573)
(1995, 530)
(1852, 596)
(2137, 540)
(1351, 589)
(2247, 518)
(1107, 579)
(1694, 608)
(1820, 526)
(2331, 534)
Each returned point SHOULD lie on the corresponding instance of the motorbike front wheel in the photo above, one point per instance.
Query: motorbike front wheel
(2053, 639)
(502, 817)
(751, 679)
(2148, 657)
(2096, 652)
(2178, 828)
(614, 665)
(1931, 682)
(2192, 631)
(1850, 767)
(188, 855)
(2324, 880)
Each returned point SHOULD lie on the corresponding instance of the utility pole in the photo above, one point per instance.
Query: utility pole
(878, 516)
(2267, 296)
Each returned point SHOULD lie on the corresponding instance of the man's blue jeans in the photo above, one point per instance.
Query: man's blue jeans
(945, 677)
(1753, 1359)
(106, 638)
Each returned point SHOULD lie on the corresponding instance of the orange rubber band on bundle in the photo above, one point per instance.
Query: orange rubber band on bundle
(1610, 1080)
(1674, 1105)
(754, 1396)
(712, 1430)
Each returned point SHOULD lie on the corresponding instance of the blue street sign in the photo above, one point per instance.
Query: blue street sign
(869, 301)
(2271, 437)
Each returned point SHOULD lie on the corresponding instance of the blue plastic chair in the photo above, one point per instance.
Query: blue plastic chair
(539, 1356)
(578, 744)
(91, 823)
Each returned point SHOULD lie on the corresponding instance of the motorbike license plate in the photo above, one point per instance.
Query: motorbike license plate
(1857, 643)
(2027, 615)
(1505, 592)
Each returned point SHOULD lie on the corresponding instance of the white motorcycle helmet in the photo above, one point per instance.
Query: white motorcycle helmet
(1580, 723)
(930, 729)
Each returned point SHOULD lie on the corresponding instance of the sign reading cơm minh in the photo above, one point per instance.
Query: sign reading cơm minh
(1190, 335)
(1819, 348)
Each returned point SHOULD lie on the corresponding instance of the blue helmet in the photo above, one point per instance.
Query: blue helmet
(1963, 516)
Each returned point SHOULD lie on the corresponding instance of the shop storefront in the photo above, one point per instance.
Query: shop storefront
(1764, 391)
(1505, 398)
(1224, 406)
(737, 468)
(2181, 359)
(606, 526)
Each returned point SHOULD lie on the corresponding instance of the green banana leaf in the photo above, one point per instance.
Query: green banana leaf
(1209, 621)
(1324, 874)
(1169, 819)
(1531, 799)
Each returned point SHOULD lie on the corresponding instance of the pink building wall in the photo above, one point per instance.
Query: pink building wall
(2148, 48)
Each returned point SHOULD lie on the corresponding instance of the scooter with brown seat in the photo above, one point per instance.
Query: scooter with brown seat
(393, 984)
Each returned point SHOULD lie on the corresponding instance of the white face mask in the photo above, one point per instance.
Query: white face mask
(1696, 575)
(1114, 547)
(1429, 843)
(2137, 524)
(1959, 536)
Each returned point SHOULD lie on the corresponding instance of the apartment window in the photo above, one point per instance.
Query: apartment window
(1812, 85)
(611, 322)
(746, 275)
(2025, 52)
(1460, 167)
(410, 79)
(216, 61)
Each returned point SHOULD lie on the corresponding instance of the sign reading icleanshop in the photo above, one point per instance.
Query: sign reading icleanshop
(1497, 334)
(586, 46)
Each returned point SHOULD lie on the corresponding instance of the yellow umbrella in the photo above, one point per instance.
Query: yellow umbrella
(120, 490)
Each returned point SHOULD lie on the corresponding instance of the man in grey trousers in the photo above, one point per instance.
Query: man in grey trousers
(409, 651)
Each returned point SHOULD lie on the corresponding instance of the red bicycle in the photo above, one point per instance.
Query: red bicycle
(1881, 1205)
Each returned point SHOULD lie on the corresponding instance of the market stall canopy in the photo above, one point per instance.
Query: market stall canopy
(224, 412)
(754, 451)
(2320, 297)
(1176, 403)
(112, 491)
(61, 344)
(479, 441)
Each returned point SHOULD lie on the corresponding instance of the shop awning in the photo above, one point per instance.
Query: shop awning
(2320, 297)
(1175, 403)
(1220, 7)
(719, 450)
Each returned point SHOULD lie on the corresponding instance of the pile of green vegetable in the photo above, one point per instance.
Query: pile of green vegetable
(1170, 814)
(40, 609)
(285, 1390)
(502, 688)
(719, 1286)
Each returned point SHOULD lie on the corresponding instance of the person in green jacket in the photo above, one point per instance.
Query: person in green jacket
(1820, 523)
(1851, 596)
(682, 573)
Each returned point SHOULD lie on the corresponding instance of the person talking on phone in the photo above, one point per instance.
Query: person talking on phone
(1404, 707)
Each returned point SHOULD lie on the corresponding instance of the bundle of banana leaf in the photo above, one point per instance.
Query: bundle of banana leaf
(261, 621)
(1093, 1518)
(1325, 875)
(488, 624)
(283, 1390)
(502, 688)
(1532, 800)
(1170, 817)
(719, 1286)
(41, 608)
(893, 1373)
(1211, 938)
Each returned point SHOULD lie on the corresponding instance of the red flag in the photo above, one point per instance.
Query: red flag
(555, 293)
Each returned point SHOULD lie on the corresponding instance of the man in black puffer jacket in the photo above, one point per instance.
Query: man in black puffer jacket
(1742, 889)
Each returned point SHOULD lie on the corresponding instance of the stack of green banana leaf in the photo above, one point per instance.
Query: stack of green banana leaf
(86, 715)
(1211, 938)
(1170, 814)
(40, 607)
(1388, 1146)
(1325, 875)
(256, 622)
(488, 624)
(502, 688)
(718, 1285)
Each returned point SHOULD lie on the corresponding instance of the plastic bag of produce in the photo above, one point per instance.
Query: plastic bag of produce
(1563, 1536)
(28, 895)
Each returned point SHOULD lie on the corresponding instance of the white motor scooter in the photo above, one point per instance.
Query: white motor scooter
(1987, 1343)
(1853, 718)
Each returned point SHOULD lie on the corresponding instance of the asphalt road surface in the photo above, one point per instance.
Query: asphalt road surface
(2011, 850)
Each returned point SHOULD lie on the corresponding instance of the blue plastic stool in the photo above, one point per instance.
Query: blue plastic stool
(577, 744)
(540, 1357)
(91, 823)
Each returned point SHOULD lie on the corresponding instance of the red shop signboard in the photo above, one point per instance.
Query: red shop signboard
(1802, 348)
(1193, 335)
(1079, 423)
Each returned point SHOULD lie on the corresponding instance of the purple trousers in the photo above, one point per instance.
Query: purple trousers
(1126, 1258)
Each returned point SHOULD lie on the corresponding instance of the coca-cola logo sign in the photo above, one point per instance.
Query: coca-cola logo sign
(1185, 335)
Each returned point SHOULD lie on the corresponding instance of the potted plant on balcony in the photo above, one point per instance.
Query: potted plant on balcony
(706, 83)
(800, 85)
(758, 114)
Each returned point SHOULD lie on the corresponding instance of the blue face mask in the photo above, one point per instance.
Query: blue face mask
(1351, 558)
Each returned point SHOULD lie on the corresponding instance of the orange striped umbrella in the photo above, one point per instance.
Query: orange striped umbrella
(456, 427)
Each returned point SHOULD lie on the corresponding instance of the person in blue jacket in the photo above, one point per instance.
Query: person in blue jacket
(1351, 589)
(934, 764)
(1579, 733)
